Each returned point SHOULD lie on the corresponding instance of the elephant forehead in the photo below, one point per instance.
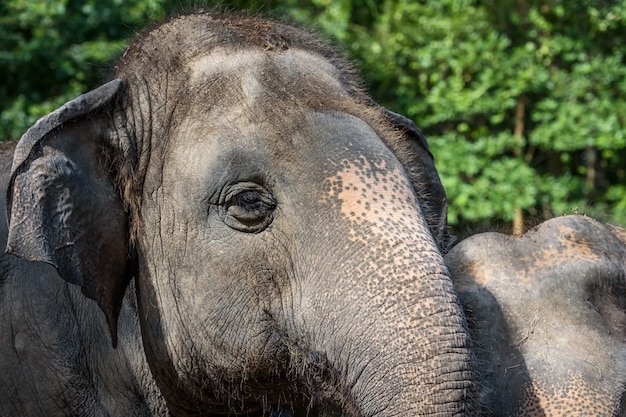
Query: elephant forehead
(544, 263)
(494, 260)
(258, 72)
(565, 246)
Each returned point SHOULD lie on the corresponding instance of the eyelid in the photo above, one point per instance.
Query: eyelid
(234, 190)
(239, 188)
(247, 207)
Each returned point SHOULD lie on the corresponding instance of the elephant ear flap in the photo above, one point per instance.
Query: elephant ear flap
(420, 164)
(63, 206)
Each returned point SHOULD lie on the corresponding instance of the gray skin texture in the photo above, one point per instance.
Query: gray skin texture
(56, 356)
(547, 311)
(281, 228)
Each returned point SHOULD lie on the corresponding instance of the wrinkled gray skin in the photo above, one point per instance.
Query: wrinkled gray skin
(278, 238)
(547, 311)
(55, 350)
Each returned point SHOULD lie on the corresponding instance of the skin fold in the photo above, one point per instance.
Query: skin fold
(547, 311)
(234, 213)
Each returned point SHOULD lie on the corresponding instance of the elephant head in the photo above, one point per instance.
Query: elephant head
(277, 221)
(547, 311)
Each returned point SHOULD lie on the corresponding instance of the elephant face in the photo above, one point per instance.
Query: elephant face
(548, 313)
(279, 223)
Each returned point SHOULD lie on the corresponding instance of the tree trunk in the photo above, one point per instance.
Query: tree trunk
(518, 132)
(591, 155)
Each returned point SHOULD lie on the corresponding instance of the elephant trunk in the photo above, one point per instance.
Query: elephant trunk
(395, 344)
(421, 367)
(377, 302)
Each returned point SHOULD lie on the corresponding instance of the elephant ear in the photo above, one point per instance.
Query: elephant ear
(62, 204)
(420, 163)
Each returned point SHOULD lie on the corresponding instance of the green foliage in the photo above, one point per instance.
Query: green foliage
(53, 50)
(523, 101)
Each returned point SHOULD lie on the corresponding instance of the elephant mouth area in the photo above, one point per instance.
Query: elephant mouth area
(280, 402)
(297, 406)
(293, 404)
(271, 410)
(305, 412)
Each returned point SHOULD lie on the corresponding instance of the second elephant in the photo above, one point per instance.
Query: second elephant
(547, 311)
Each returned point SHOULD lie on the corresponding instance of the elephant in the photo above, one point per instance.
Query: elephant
(229, 226)
(547, 313)
(56, 356)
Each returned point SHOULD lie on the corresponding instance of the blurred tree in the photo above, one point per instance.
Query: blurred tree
(523, 101)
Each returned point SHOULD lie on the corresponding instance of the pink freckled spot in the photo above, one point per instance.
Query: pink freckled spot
(363, 196)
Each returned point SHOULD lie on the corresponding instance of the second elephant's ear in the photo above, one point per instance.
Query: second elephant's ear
(420, 164)
(63, 206)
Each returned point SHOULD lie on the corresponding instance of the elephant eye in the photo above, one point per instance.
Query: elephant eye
(248, 208)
